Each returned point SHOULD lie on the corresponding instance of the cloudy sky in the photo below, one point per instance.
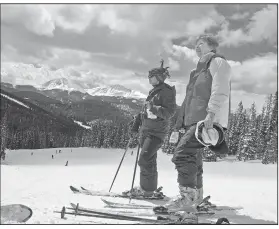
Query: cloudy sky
(118, 44)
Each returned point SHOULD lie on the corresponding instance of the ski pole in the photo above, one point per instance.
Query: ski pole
(120, 163)
(135, 169)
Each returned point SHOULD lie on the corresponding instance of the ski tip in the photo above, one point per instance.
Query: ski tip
(83, 188)
(73, 205)
(105, 201)
(74, 189)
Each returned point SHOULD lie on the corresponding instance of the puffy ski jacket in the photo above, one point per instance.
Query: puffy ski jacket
(163, 105)
(208, 90)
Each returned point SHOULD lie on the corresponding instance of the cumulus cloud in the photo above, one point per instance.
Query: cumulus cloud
(173, 64)
(35, 18)
(66, 57)
(231, 37)
(239, 16)
(257, 75)
(119, 40)
(74, 17)
(10, 53)
(200, 25)
(109, 17)
(42, 19)
(262, 27)
(183, 52)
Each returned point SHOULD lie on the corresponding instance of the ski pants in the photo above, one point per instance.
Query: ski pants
(148, 161)
(187, 159)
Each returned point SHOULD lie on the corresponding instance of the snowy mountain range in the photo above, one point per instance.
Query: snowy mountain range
(74, 85)
(62, 79)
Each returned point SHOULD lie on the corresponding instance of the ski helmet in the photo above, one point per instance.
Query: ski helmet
(210, 137)
(160, 73)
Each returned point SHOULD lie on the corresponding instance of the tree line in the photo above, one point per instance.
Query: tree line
(250, 135)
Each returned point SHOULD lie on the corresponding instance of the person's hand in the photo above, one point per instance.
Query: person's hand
(208, 121)
(174, 137)
(148, 105)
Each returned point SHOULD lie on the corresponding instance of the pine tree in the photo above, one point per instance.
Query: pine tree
(263, 134)
(271, 149)
(124, 137)
(238, 129)
(274, 115)
(117, 139)
(108, 134)
(231, 131)
(4, 134)
(243, 137)
(251, 133)
(269, 108)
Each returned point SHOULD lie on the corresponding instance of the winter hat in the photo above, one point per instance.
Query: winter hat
(210, 137)
(160, 73)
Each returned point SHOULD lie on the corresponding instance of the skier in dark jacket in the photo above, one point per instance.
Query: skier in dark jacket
(154, 123)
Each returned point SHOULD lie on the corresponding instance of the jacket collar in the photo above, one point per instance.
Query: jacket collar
(206, 57)
(155, 90)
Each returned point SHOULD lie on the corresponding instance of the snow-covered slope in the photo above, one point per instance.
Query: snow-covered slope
(44, 184)
(84, 126)
(14, 100)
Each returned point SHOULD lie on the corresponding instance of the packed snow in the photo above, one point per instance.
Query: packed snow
(42, 183)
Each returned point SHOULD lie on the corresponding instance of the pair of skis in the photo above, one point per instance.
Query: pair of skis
(157, 196)
(162, 216)
(76, 210)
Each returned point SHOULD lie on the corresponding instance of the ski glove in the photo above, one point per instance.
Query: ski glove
(174, 137)
(134, 126)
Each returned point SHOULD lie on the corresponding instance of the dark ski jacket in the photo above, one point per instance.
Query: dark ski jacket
(163, 105)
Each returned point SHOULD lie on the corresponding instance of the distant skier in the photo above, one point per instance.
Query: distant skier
(32, 154)
(52, 156)
(3, 155)
(203, 115)
(66, 163)
(60, 151)
(154, 120)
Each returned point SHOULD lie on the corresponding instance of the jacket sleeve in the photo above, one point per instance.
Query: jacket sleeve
(168, 108)
(180, 116)
(221, 73)
(181, 113)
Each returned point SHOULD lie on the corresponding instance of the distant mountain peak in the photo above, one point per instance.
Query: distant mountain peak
(62, 84)
(38, 75)
(115, 90)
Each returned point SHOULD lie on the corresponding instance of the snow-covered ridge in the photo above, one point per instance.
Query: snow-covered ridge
(16, 101)
(115, 90)
(44, 77)
(80, 123)
(62, 84)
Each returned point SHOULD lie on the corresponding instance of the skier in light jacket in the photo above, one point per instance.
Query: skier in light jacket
(207, 100)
